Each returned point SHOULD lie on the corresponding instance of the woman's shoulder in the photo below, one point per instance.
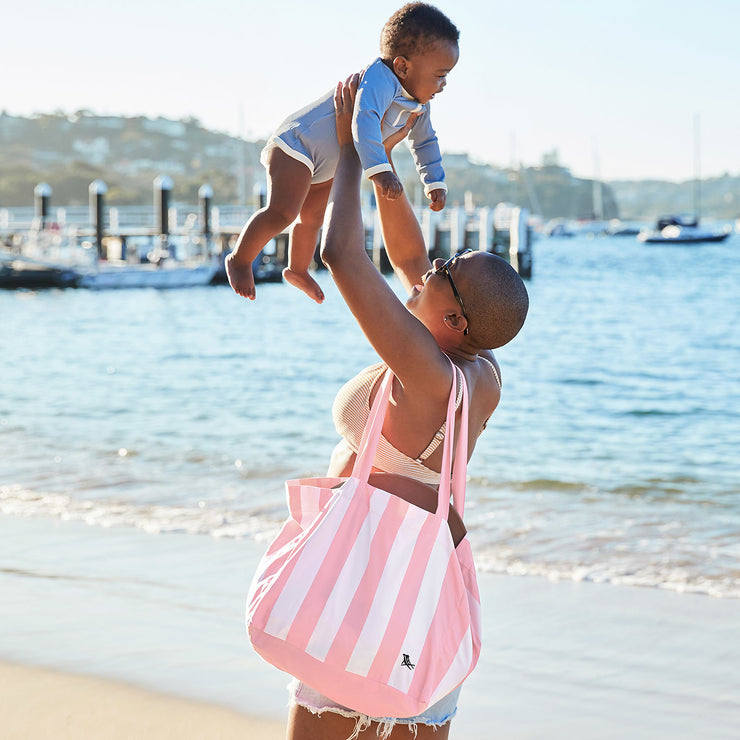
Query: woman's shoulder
(483, 378)
(482, 371)
(484, 390)
(489, 366)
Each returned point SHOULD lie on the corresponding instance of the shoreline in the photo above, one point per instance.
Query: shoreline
(162, 616)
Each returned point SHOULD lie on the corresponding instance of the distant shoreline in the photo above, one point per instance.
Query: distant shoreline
(128, 152)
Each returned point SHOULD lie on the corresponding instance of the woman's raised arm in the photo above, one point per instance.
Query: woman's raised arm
(400, 339)
(404, 242)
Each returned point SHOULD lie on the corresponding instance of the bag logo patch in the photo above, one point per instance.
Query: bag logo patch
(407, 662)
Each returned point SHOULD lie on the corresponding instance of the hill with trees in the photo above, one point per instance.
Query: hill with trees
(68, 151)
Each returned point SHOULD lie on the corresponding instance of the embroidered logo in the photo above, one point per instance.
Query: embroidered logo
(407, 662)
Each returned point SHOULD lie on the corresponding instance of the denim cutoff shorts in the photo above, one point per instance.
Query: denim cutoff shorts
(437, 715)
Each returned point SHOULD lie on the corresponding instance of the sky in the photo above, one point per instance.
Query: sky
(633, 89)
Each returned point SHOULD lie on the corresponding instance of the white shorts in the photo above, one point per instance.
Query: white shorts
(309, 136)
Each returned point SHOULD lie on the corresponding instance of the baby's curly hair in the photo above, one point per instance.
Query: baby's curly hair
(413, 28)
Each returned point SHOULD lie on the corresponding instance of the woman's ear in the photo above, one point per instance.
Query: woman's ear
(456, 322)
(401, 67)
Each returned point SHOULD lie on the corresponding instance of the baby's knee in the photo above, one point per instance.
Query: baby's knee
(280, 215)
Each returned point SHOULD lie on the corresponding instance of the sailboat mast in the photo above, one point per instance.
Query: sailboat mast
(597, 193)
(696, 193)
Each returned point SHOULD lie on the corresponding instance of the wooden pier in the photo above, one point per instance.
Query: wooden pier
(80, 238)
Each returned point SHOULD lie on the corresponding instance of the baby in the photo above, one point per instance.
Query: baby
(418, 49)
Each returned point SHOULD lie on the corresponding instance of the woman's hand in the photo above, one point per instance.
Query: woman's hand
(344, 103)
(400, 135)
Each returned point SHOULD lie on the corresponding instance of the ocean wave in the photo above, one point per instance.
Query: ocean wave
(680, 579)
(203, 519)
(536, 484)
(552, 555)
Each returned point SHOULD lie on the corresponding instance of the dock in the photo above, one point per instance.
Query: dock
(87, 246)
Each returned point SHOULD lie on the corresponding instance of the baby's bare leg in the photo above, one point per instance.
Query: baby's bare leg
(288, 183)
(303, 239)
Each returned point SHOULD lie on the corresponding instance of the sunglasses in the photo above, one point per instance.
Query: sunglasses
(444, 269)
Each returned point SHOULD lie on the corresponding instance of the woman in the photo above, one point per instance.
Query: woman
(457, 310)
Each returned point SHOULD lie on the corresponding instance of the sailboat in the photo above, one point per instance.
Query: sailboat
(681, 230)
(685, 229)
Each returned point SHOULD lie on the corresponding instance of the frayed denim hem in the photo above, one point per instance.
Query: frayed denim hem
(316, 703)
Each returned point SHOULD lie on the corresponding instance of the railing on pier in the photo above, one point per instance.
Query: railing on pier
(206, 229)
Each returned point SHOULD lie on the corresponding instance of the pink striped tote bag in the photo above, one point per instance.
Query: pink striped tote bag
(362, 595)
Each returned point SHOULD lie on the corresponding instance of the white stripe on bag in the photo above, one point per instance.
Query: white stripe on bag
(344, 589)
(424, 612)
(299, 582)
(387, 593)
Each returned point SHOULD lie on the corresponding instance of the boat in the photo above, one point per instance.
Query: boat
(19, 273)
(681, 230)
(558, 227)
(686, 229)
(620, 228)
(265, 269)
(166, 274)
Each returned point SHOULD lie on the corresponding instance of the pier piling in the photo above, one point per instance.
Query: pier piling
(97, 191)
(485, 229)
(205, 201)
(162, 191)
(42, 205)
(259, 193)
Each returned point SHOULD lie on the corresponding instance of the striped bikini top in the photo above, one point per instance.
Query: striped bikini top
(350, 412)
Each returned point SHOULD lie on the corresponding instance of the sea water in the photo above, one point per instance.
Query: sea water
(613, 455)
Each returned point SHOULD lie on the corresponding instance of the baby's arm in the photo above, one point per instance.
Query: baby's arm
(374, 95)
(428, 159)
(387, 185)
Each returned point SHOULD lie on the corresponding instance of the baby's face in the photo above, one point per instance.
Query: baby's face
(425, 74)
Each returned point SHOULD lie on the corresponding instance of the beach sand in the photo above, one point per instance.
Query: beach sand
(114, 609)
(38, 704)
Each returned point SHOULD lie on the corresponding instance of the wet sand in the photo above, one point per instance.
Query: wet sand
(125, 621)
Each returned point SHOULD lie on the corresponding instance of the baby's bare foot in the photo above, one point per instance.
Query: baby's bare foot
(303, 281)
(240, 277)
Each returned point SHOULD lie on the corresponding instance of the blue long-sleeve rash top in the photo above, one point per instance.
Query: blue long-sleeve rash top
(382, 106)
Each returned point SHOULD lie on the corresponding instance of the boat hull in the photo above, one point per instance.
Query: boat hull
(683, 239)
(147, 276)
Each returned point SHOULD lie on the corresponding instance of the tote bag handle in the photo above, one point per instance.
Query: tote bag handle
(454, 478)
(371, 433)
(457, 476)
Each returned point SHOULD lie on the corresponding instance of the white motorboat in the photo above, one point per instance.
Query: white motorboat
(168, 274)
(681, 230)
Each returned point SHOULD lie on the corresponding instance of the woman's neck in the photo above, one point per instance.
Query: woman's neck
(460, 353)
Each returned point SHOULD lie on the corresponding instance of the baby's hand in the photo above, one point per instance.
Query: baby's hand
(438, 198)
(388, 185)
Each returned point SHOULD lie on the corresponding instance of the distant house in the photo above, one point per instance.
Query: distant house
(164, 126)
(95, 151)
(137, 166)
(48, 157)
